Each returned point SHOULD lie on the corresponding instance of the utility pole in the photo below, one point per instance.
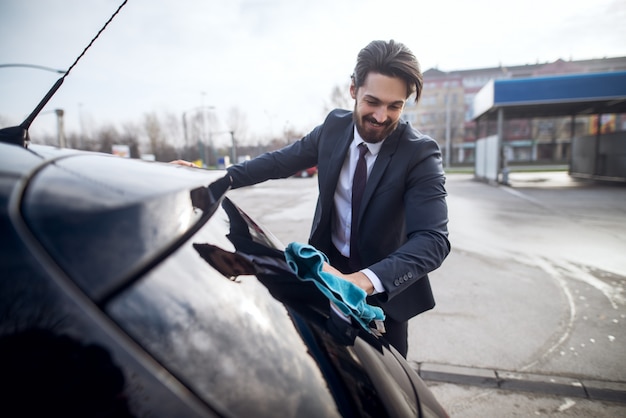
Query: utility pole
(234, 149)
(448, 139)
(60, 128)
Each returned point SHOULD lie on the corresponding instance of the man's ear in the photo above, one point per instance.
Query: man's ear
(353, 89)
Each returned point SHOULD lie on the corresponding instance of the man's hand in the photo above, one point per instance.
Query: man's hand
(183, 163)
(357, 278)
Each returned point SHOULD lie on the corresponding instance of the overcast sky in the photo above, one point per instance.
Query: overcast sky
(275, 60)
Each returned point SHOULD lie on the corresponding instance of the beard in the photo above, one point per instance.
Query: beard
(371, 131)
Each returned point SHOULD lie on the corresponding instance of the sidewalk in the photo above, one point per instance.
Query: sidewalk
(543, 179)
(527, 382)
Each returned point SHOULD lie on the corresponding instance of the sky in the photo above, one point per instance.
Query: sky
(276, 61)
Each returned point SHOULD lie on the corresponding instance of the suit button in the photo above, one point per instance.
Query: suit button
(396, 282)
(410, 275)
(405, 278)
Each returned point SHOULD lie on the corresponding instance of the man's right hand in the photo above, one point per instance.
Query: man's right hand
(357, 278)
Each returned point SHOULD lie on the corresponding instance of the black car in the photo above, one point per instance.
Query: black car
(134, 288)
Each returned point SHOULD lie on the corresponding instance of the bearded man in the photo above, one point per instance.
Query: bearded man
(388, 238)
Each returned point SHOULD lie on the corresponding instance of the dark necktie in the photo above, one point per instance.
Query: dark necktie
(358, 187)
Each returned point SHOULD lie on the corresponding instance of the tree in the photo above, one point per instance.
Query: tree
(156, 133)
(291, 134)
(152, 129)
(340, 98)
(172, 131)
(238, 124)
(130, 136)
(74, 141)
(105, 138)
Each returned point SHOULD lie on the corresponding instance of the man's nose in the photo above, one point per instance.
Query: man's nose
(380, 114)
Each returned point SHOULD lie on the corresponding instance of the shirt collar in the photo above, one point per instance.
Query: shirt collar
(374, 149)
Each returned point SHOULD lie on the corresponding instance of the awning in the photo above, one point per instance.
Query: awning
(565, 95)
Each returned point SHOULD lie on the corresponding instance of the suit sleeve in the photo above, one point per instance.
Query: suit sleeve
(425, 242)
(282, 163)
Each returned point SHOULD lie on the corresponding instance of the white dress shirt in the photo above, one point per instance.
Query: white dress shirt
(342, 216)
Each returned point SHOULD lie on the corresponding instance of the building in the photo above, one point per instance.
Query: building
(445, 112)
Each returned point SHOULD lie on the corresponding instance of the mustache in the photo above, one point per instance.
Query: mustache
(375, 122)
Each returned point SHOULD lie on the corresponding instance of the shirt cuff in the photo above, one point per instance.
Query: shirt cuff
(339, 313)
(378, 285)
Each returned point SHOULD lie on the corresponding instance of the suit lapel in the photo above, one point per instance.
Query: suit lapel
(340, 149)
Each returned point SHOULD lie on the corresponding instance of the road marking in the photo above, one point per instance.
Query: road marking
(566, 405)
(552, 272)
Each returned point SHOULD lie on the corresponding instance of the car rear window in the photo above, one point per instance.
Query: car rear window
(104, 218)
(230, 341)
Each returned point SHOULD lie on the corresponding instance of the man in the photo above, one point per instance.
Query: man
(401, 222)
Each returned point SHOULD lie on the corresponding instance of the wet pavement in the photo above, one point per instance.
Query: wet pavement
(531, 298)
(531, 305)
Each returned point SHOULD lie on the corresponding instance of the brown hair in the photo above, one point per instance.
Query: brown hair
(392, 59)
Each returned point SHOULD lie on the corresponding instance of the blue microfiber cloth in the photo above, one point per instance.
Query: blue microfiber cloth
(306, 262)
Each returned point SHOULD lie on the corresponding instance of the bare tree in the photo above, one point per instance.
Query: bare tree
(105, 137)
(87, 127)
(156, 136)
(131, 136)
(195, 129)
(238, 124)
(172, 129)
(74, 141)
(340, 98)
(152, 128)
(292, 134)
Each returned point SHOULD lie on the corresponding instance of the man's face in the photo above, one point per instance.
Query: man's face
(378, 106)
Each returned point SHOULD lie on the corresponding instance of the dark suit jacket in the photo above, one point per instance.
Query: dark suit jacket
(403, 220)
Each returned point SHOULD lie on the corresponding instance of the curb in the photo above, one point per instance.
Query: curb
(526, 382)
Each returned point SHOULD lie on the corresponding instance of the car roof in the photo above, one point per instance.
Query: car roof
(103, 217)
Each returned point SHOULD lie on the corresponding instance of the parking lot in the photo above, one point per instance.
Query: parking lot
(530, 303)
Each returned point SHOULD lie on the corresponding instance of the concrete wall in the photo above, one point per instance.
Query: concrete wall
(601, 157)
(487, 162)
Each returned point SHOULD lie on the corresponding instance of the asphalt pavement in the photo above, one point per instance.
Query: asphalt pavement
(530, 303)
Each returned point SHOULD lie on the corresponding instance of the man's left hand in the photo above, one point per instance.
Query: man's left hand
(183, 163)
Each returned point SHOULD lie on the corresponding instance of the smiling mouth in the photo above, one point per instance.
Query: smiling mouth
(377, 124)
